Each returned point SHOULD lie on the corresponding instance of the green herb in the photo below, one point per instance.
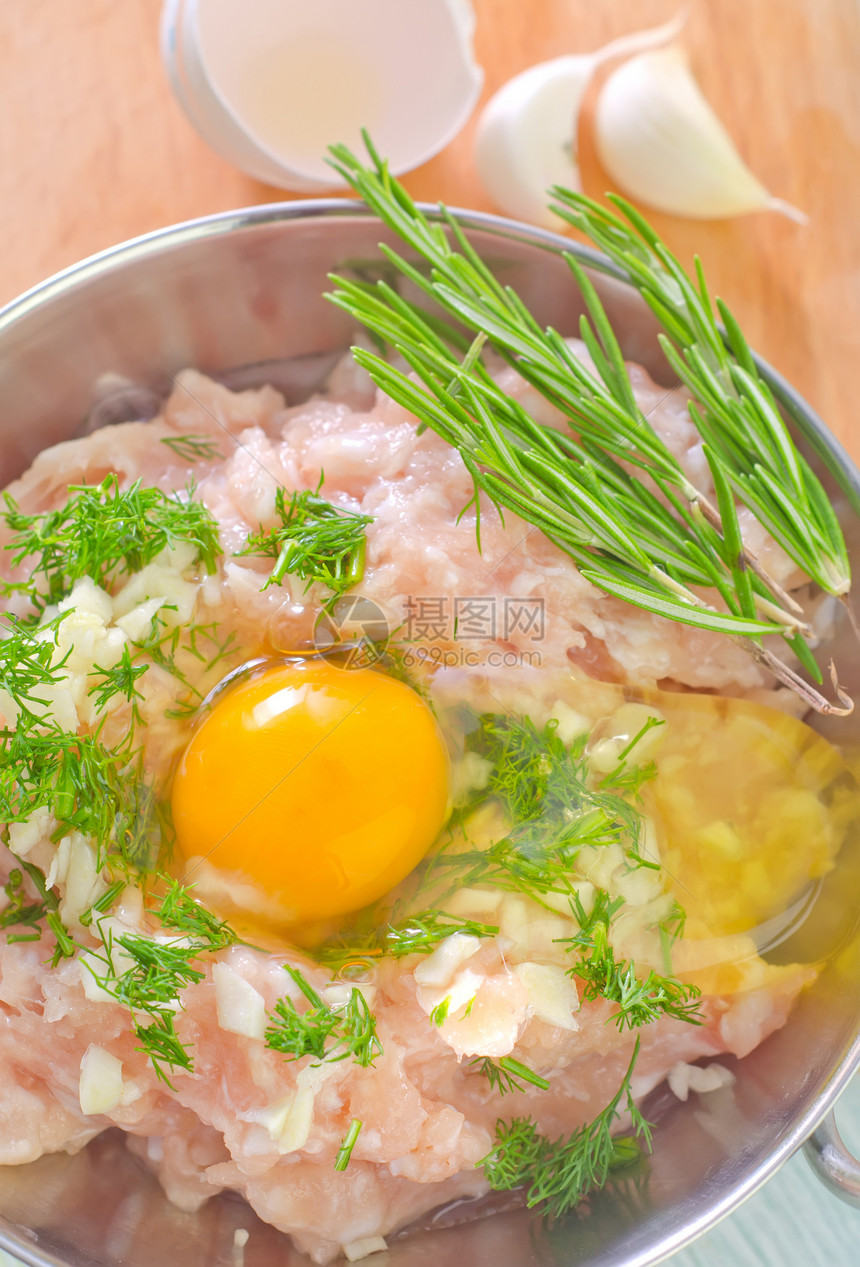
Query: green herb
(735, 410)
(119, 680)
(416, 934)
(640, 531)
(171, 646)
(439, 1015)
(508, 1074)
(160, 970)
(315, 541)
(21, 911)
(639, 1002)
(193, 448)
(104, 532)
(104, 903)
(629, 779)
(557, 1174)
(326, 1033)
(344, 1153)
(178, 910)
(86, 786)
(545, 790)
(28, 662)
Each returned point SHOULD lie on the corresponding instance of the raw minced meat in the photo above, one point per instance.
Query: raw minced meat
(245, 1118)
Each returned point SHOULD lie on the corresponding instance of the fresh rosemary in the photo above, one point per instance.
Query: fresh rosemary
(640, 531)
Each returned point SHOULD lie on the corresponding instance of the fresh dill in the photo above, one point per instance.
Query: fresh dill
(439, 1014)
(147, 974)
(177, 649)
(178, 910)
(544, 788)
(86, 786)
(344, 1153)
(314, 541)
(119, 680)
(416, 934)
(626, 778)
(28, 662)
(638, 1001)
(558, 1173)
(104, 532)
(193, 448)
(327, 1033)
(508, 1074)
(21, 910)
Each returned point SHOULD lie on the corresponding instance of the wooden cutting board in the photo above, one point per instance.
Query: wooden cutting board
(93, 150)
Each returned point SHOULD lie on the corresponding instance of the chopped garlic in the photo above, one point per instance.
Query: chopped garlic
(661, 142)
(439, 968)
(101, 1086)
(552, 994)
(241, 1008)
(365, 1245)
(684, 1078)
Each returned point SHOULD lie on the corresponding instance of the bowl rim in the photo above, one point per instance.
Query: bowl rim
(811, 425)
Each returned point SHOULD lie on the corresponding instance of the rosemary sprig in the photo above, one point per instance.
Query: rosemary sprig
(656, 552)
(557, 1174)
(315, 541)
(736, 412)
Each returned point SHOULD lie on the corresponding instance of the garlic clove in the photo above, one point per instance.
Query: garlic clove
(662, 144)
(526, 136)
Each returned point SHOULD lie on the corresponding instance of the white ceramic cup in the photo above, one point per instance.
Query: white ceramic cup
(271, 83)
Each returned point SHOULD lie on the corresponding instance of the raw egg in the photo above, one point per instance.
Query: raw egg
(313, 789)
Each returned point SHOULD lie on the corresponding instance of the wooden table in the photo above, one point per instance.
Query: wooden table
(93, 150)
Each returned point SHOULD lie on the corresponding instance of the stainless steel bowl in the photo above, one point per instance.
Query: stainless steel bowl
(239, 296)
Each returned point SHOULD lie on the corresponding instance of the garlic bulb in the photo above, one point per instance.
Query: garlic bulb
(526, 137)
(662, 144)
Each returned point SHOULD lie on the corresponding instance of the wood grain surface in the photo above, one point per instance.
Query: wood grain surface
(93, 150)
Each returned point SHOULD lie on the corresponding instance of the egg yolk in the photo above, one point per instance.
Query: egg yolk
(320, 787)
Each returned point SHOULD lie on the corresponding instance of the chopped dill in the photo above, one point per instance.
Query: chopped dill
(439, 1015)
(119, 680)
(21, 910)
(417, 934)
(166, 643)
(323, 1032)
(193, 448)
(344, 1153)
(86, 786)
(315, 541)
(507, 1074)
(557, 1174)
(638, 1001)
(27, 662)
(629, 779)
(178, 910)
(104, 532)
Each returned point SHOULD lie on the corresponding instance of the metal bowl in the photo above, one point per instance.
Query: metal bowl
(239, 296)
